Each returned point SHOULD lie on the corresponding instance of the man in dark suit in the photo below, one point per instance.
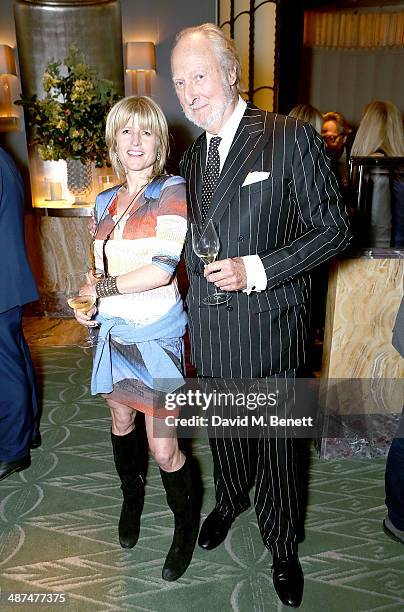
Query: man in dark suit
(336, 133)
(278, 213)
(19, 426)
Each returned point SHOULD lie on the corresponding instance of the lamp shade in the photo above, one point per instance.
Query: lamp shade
(140, 56)
(7, 60)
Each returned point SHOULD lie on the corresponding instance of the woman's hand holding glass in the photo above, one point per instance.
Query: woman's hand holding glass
(87, 296)
(81, 297)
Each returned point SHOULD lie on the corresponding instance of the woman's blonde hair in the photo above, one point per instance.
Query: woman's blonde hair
(307, 112)
(149, 116)
(381, 129)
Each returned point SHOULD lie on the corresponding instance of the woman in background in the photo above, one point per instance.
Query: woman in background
(380, 133)
(139, 235)
(309, 114)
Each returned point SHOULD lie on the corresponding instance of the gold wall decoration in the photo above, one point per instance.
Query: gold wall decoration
(140, 63)
(8, 71)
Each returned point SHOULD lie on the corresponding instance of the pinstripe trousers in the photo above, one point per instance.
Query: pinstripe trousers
(270, 457)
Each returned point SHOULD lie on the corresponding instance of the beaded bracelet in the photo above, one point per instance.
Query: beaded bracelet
(107, 287)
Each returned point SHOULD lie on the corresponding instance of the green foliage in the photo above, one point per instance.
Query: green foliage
(69, 122)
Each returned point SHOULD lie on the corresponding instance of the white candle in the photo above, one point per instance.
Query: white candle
(106, 181)
(55, 190)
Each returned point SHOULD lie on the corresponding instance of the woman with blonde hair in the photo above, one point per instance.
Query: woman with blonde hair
(138, 239)
(309, 114)
(381, 133)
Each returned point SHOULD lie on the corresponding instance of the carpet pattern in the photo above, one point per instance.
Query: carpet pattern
(58, 525)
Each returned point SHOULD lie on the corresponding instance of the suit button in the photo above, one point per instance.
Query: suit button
(240, 238)
(229, 308)
(197, 273)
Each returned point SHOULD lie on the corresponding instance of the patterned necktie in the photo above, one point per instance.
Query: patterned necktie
(210, 176)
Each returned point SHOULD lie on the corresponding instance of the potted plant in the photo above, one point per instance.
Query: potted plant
(69, 121)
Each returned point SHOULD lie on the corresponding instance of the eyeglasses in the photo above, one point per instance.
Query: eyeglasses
(331, 138)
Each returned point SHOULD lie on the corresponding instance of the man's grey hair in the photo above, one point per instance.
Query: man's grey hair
(223, 48)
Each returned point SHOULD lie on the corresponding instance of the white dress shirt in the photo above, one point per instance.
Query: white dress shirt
(256, 277)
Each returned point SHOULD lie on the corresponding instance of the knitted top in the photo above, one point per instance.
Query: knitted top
(153, 232)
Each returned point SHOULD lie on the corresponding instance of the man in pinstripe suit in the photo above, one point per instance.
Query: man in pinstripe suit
(278, 212)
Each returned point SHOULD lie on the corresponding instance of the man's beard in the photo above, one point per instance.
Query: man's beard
(217, 113)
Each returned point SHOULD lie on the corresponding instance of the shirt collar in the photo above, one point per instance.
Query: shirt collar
(229, 129)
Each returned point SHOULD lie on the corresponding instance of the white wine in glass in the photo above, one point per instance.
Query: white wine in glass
(207, 258)
(84, 303)
(206, 245)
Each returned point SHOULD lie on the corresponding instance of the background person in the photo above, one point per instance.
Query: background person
(19, 411)
(380, 133)
(309, 114)
(336, 133)
(141, 226)
(249, 173)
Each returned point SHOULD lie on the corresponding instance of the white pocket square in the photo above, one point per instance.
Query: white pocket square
(254, 177)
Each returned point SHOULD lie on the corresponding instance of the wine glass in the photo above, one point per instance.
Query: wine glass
(206, 245)
(78, 301)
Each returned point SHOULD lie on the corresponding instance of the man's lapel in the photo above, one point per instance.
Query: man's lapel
(246, 147)
(196, 164)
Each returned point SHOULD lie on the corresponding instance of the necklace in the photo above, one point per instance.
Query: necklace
(108, 236)
(135, 197)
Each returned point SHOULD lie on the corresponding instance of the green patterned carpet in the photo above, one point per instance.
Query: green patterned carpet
(58, 526)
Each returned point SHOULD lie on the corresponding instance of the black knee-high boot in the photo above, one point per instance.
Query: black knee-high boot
(130, 464)
(183, 499)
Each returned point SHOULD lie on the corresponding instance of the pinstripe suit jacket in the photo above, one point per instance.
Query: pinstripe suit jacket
(294, 220)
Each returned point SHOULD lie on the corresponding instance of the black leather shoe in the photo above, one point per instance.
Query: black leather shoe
(287, 576)
(391, 530)
(215, 529)
(9, 467)
(36, 441)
